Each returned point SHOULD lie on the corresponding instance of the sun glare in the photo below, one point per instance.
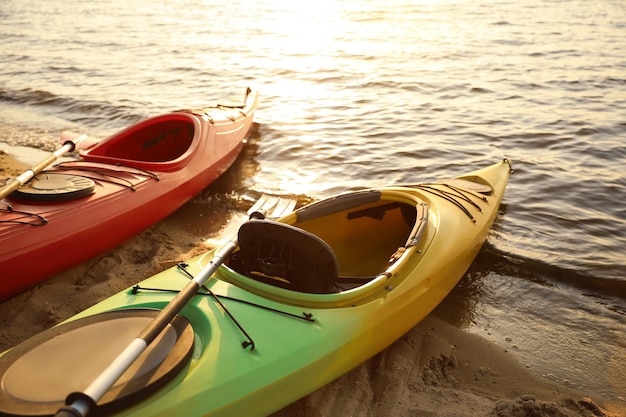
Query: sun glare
(303, 28)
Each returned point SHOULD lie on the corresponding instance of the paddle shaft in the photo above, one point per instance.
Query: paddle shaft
(27, 175)
(79, 404)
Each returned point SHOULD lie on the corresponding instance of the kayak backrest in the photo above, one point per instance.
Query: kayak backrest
(287, 257)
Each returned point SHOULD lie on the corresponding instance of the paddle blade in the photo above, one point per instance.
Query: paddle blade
(272, 207)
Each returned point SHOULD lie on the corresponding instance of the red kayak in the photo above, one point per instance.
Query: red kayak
(75, 210)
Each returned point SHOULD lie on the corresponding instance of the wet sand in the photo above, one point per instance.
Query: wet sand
(434, 370)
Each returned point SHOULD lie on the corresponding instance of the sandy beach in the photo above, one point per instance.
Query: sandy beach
(434, 370)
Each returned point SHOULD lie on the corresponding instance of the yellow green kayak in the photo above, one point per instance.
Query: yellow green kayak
(293, 304)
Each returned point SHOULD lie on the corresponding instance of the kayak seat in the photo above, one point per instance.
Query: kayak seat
(287, 257)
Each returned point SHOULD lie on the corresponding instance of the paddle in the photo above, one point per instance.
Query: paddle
(79, 404)
(23, 178)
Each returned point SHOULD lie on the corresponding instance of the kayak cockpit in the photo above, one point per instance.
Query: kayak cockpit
(337, 246)
(159, 141)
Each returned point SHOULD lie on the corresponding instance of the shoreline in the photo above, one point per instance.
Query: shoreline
(436, 369)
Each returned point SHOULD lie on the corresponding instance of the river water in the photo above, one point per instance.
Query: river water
(368, 93)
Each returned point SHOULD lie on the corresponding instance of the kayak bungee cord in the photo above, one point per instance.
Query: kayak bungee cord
(447, 196)
(464, 192)
(106, 167)
(308, 317)
(244, 344)
(38, 221)
(107, 174)
(457, 192)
